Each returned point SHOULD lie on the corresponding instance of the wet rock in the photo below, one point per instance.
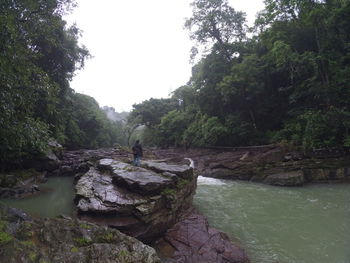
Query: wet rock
(136, 179)
(139, 202)
(192, 240)
(294, 178)
(65, 240)
(183, 171)
(325, 174)
(20, 183)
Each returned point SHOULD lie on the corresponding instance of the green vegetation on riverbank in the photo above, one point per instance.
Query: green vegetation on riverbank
(284, 80)
(39, 55)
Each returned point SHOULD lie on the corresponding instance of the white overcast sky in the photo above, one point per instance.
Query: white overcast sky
(140, 49)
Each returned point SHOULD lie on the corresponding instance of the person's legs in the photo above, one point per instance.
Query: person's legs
(138, 161)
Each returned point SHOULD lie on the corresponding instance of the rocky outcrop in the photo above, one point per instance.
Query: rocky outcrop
(269, 164)
(192, 240)
(23, 240)
(295, 178)
(80, 161)
(20, 183)
(140, 202)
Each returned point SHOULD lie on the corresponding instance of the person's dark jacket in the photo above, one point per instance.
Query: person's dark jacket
(137, 150)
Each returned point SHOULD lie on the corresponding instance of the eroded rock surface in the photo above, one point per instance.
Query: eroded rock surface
(270, 164)
(294, 178)
(138, 201)
(192, 240)
(65, 240)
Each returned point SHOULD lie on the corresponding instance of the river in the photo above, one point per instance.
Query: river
(309, 224)
(55, 198)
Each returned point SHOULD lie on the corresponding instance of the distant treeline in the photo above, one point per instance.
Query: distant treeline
(287, 79)
(39, 54)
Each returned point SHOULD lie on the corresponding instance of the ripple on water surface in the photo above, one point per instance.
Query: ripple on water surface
(307, 224)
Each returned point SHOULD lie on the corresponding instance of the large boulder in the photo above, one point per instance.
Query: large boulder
(192, 240)
(294, 178)
(140, 202)
(23, 240)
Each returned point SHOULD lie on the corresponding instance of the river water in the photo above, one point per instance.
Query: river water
(55, 198)
(309, 224)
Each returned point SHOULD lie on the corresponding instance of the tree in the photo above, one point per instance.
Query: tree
(215, 22)
(38, 56)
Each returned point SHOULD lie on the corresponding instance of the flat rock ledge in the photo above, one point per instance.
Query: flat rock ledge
(192, 240)
(57, 240)
(140, 202)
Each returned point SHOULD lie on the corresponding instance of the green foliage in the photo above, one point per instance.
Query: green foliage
(38, 57)
(5, 238)
(317, 129)
(205, 131)
(39, 54)
(150, 112)
(288, 83)
(82, 242)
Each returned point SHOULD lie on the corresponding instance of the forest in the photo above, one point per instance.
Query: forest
(39, 55)
(283, 80)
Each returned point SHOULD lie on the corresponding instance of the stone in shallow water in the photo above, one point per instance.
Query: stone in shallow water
(294, 178)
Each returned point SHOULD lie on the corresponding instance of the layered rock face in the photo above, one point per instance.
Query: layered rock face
(23, 240)
(141, 202)
(269, 164)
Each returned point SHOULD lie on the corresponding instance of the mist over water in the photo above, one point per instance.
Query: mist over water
(309, 224)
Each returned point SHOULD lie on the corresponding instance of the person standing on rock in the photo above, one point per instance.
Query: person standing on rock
(138, 153)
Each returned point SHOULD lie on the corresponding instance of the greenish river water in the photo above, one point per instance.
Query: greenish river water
(56, 198)
(309, 224)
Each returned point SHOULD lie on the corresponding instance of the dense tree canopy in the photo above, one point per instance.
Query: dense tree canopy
(39, 54)
(288, 81)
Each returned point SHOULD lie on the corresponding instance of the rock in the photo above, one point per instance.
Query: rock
(47, 162)
(244, 156)
(65, 240)
(294, 178)
(56, 148)
(192, 240)
(137, 201)
(272, 156)
(324, 174)
(20, 183)
(183, 171)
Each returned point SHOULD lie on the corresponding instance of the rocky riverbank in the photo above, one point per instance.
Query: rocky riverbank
(151, 203)
(271, 164)
(57, 240)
